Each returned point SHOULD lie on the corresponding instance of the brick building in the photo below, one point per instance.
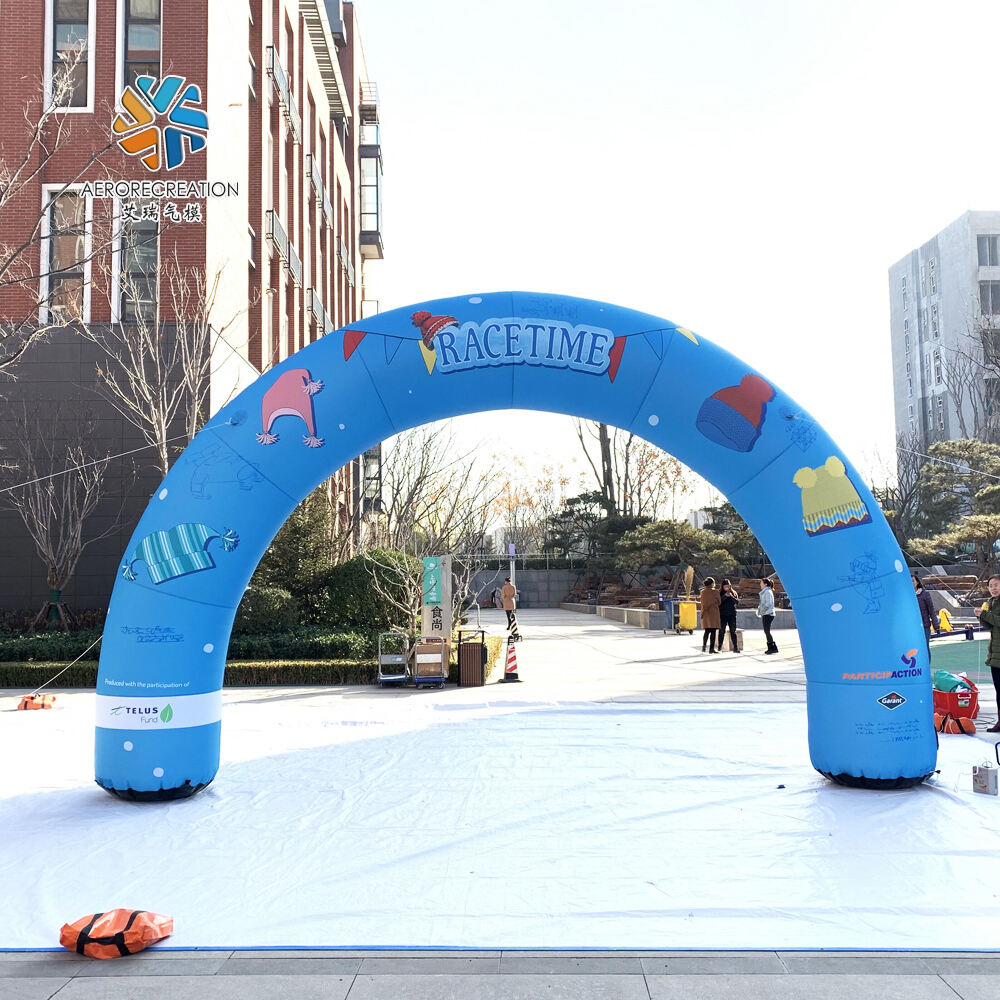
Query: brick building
(261, 168)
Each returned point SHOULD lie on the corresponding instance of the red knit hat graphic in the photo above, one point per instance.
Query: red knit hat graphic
(733, 416)
(285, 399)
(429, 325)
(748, 398)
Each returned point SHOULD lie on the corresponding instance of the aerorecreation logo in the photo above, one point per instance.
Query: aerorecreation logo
(144, 106)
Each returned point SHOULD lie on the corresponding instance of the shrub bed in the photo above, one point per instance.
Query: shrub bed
(239, 672)
(305, 642)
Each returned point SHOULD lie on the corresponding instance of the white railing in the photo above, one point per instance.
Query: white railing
(281, 84)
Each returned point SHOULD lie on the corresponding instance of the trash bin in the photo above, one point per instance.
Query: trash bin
(687, 616)
(472, 657)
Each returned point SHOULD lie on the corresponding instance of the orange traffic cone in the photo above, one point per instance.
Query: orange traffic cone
(510, 673)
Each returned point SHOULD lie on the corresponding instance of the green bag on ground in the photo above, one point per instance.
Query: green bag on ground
(946, 681)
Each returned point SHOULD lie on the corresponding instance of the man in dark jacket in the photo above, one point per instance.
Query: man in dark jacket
(926, 606)
(989, 615)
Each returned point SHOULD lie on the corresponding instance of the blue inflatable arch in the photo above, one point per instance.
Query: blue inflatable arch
(159, 695)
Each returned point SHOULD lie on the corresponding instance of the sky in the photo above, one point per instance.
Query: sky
(749, 170)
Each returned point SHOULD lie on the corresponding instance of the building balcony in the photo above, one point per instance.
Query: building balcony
(314, 302)
(275, 234)
(345, 260)
(316, 178)
(371, 245)
(368, 101)
(284, 90)
(294, 265)
(324, 20)
(370, 189)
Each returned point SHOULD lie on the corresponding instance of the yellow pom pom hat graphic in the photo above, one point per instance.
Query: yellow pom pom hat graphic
(829, 500)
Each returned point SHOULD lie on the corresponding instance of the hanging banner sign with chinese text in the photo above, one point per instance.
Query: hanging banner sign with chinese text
(435, 618)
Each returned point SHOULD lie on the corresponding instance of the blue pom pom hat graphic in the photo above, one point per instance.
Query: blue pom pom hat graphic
(178, 551)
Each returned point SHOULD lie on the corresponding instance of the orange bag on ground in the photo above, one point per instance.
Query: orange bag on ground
(115, 932)
(30, 701)
(951, 724)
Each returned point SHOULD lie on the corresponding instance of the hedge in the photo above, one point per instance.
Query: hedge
(305, 642)
(239, 673)
(48, 646)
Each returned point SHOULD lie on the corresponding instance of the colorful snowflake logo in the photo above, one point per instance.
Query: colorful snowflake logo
(170, 99)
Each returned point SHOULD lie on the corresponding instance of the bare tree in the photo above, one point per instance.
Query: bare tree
(527, 503)
(56, 485)
(156, 374)
(41, 292)
(963, 379)
(636, 478)
(438, 497)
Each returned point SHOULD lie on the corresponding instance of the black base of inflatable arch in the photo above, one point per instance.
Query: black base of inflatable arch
(184, 791)
(880, 784)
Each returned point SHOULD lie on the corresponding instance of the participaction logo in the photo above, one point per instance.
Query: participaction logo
(136, 124)
(911, 669)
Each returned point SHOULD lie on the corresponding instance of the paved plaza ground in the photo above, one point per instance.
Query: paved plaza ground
(571, 665)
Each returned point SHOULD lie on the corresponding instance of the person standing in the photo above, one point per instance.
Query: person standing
(508, 594)
(765, 612)
(989, 616)
(728, 602)
(710, 615)
(926, 606)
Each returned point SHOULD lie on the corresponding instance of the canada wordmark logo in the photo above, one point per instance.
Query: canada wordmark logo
(145, 106)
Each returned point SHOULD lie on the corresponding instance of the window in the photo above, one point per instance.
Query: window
(138, 293)
(989, 251)
(902, 288)
(932, 275)
(70, 26)
(989, 298)
(923, 280)
(909, 387)
(142, 39)
(906, 343)
(909, 370)
(909, 411)
(940, 413)
(938, 376)
(935, 326)
(67, 226)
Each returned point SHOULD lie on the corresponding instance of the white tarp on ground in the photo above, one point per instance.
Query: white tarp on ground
(467, 819)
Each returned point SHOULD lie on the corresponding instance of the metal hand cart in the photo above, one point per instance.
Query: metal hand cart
(430, 661)
(682, 615)
(393, 658)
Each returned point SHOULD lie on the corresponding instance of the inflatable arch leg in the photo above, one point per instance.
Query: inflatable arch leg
(196, 546)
